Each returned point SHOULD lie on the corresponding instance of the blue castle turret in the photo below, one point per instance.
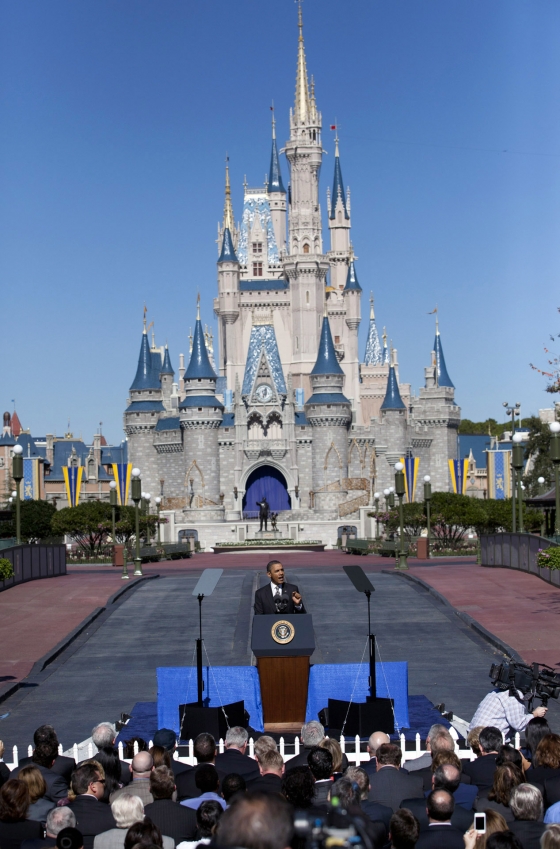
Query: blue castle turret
(392, 400)
(442, 375)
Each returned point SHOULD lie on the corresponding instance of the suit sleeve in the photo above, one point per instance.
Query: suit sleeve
(302, 608)
(258, 606)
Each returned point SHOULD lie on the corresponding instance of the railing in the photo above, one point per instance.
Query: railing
(34, 561)
(351, 748)
(349, 507)
(517, 551)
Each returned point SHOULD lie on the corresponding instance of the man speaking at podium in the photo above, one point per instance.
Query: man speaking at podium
(278, 596)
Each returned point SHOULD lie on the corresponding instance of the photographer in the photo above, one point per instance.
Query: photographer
(505, 712)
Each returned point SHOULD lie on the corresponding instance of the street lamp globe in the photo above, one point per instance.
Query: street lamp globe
(158, 499)
(386, 492)
(540, 480)
(518, 437)
(113, 485)
(14, 494)
(391, 489)
(135, 473)
(554, 428)
(399, 467)
(148, 496)
(427, 478)
(17, 449)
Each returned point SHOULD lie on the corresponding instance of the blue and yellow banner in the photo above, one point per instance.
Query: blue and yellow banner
(122, 472)
(458, 470)
(410, 476)
(73, 483)
(30, 478)
(499, 474)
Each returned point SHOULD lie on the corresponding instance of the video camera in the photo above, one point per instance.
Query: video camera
(335, 828)
(534, 681)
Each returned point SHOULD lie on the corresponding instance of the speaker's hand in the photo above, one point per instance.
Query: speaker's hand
(296, 598)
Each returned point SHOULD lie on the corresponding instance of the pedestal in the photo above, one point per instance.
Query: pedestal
(284, 684)
(268, 535)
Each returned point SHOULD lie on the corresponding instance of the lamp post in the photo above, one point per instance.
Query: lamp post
(17, 474)
(147, 498)
(427, 500)
(400, 490)
(158, 508)
(517, 463)
(555, 457)
(391, 501)
(136, 491)
(540, 482)
(513, 412)
(113, 502)
(376, 499)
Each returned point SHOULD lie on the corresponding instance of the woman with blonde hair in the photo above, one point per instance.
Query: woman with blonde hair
(551, 837)
(337, 757)
(37, 786)
(494, 822)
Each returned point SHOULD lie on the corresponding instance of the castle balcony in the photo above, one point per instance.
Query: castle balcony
(256, 448)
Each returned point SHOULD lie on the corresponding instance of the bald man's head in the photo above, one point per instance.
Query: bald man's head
(446, 777)
(142, 763)
(377, 739)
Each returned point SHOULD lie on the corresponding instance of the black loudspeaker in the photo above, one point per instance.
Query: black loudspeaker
(363, 718)
(194, 720)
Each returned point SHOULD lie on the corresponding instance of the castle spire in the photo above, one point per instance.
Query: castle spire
(352, 278)
(147, 375)
(442, 375)
(275, 183)
(338, 185)
(392, 400)
(228, 208)
(302, 108)
(167, 368)
(374, 353)
(199, 365)
(327, 361)
(386, 359)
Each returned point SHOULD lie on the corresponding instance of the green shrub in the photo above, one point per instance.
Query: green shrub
(6, 569)
(549, 558)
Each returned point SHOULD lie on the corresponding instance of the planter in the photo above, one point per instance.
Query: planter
(220, 549)
(546, 574)
(555, 577)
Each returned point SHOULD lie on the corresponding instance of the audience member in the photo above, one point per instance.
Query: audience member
(129, 745)
(14, 825)
(551, 837)
(505, 711)
(160, 756)
(526, 805)
(348, 795)
(127, 810)
(44, 756)
(39, 805)
(373, 810)
(167, 739)
(494, 822)
(465, 793)
(298, 787)
(170, 817)
(440, 743)
(312, 734)
(207, 818)
(256, 822)
(271, 766)
(440, 834)
(234, 758)
(438, 738)
(320, 763)
(473, 740)
(141, 770)
(108, 758)
(446, 777)
(204, 750)
(146, 833)
(389, 786)
(233, 787)
(503, 840)
(69, 838)
(537, 728)
(104, 736)
(481, 770)
(4, 771)
(375, 741)
(92, 815)
(62, 764)
(208, 786)
(506, 778)
(340, 761)
(264, 743)
(404, 829)
(546, 760)
(57, 819)
(508, 754)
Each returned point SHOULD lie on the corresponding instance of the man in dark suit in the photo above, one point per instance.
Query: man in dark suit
(278, 596)
(375, 741)
(172, 819)
(44, 756)
(373, 810)
(551, 791)
(204, 751)
(320, 763)
(312, 733)
(440, 833)
(167, 739)
(234, 758)
(57, 820)
(446, 777)
(271, 766)
(62, 765)
(389, 786)
(526, 805)
(481, 771)
(104, 735)
(93, 817)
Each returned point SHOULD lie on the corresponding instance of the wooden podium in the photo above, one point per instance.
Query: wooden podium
(283, 645)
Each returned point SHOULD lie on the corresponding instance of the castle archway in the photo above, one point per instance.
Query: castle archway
(266, 482)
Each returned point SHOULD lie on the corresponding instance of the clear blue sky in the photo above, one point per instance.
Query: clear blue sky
(116, 117)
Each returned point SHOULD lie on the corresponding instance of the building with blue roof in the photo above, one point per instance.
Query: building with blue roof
(288, 408)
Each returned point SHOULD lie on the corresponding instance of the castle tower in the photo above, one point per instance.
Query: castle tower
(352, 300)
(328, 413)
(306, 266)
(339, 226)
(277, 194)
(374, 354)
(228, 296)
(201, 414)
(166, 377)
(393, 431)
(141, 415)
(435, 419)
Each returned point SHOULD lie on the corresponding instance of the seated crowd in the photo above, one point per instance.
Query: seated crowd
(233, 801)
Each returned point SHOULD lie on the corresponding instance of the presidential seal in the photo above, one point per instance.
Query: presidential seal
(283, 632)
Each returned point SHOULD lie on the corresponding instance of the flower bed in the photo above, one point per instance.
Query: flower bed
(549, 558)
(258, 543)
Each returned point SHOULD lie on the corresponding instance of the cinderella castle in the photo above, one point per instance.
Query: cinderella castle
(288, 409)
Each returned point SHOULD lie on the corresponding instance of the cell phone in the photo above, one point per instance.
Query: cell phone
(480, 823)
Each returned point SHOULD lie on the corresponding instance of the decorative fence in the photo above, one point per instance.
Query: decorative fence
(517, 551)
(352, 748)
(31, 562)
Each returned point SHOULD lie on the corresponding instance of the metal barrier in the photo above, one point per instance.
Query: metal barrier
(31, 562)
(517, 551)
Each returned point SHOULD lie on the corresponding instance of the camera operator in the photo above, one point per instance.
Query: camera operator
(504, 711)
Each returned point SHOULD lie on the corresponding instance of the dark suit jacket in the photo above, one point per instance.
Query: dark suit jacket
(179, 768)
(481, 771)
(464, 795)
(322, 790)
(56, 785)
(377, 812)
(172, 819)
(4, 773)
(389, 786)
(185, 783)
(12, 834)
(62, 766)
(441, 837)
(268, 783)
(461, 818)
(39, 843)
(426, 775)
(299, 760)
(264, 602)
(551, 791)
(541, 774)
(232, 760)
(529, 833)
(92, 818)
